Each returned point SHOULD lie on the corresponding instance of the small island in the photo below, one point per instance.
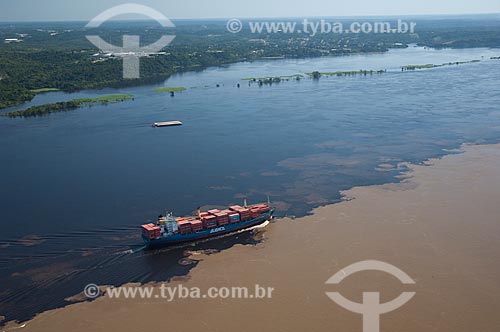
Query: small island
(273, 79)
(317, 74)
(65, 106)
(44, 90)
(170, 89)
(430, 65)
(270, 80)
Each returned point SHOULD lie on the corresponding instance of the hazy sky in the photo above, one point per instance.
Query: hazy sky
(36, 10)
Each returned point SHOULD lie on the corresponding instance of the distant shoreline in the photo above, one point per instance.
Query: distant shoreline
(224, 19)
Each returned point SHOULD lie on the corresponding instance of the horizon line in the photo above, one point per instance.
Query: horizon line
(263, 17)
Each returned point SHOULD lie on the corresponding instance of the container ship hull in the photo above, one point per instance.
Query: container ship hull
(182, 235)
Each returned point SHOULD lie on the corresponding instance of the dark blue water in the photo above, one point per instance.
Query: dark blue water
(74, 186)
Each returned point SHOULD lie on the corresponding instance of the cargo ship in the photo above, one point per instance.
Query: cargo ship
(169, 230)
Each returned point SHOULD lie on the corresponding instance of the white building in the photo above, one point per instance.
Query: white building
(12, 40)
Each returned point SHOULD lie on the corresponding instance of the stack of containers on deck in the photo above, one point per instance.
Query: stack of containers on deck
(222, 217)
(184, 225)
(227, 211)
(151, 231)
(257, 210)
(209, 221)
(254, 212)
(243, 212)
(196, 225)
(233, 216)
(263, 208)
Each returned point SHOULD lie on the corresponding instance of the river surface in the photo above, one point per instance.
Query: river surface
(74, 186)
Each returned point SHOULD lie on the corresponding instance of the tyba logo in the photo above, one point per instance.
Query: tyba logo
(131, 51)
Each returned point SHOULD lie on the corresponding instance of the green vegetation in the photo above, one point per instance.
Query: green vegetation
(271, 80)
(413, 67)
(67, 105)
(171, 89)
(317, 74)
(289, 77)
(282, 78)
(104, 100)
(42, 90)
(57, 55)
(430, 65)
(14, 95)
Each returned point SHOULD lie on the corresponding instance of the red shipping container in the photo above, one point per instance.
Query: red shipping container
(209, 218)
(196, 225)
(181, 220)
(214, 211)
(148, 226)
(244, 214)
(254, 213)
(222, 217)
(196, 222)
(209, 221)
(150, 231)
(184, 225)
(223, 222)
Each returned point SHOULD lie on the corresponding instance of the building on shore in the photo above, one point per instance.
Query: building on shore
(12, 40)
